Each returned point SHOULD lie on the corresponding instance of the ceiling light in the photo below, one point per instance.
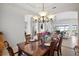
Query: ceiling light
(43, 16)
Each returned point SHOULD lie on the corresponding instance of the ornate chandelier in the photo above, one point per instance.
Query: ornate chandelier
(43, 16)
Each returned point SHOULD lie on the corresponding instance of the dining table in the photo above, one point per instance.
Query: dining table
(33, 48)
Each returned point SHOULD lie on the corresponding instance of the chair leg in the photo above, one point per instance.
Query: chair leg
(52, 54)
(58, 52)
(75, 52)
(19, 52)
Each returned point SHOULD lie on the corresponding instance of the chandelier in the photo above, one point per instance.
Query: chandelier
(43, 16)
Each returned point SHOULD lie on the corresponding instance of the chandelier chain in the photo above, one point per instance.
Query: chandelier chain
(43, 6)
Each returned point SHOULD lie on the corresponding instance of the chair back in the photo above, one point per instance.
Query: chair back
(9, 48)
(27, 37)
(52, 47)
(60, 43)
(39, 36)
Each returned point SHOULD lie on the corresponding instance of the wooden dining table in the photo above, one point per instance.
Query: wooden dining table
(33, 48)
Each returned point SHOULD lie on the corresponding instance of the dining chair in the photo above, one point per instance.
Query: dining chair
(10, 49)
(58, 47)
(52, 48)
(76, 50)
(27, 37)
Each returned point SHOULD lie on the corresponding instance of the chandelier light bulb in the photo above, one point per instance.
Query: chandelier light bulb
(35, 17)
(43, 13)
(51, 16)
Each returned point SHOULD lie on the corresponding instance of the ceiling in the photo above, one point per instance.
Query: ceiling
(60, 7)
(34, 8)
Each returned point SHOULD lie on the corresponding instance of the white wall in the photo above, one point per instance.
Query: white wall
(70, 18)
(12, 25)
(1, 10)
(67, 15)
